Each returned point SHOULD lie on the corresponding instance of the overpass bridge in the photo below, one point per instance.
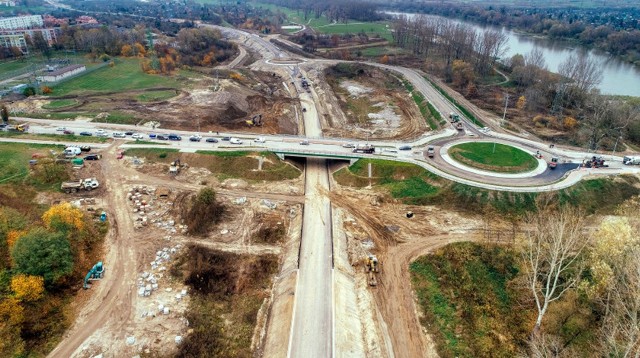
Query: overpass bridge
(321, 154)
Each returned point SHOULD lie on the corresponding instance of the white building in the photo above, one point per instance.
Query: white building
(7, 3)
(21, 22)
(61, 73)
(13, 40)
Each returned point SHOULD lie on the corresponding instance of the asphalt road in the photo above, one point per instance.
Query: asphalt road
(312, 333)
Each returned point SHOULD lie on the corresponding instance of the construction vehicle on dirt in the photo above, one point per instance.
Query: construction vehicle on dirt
(454, 117)
(459, 126)
(255, 121)
(364, 148)
(82, 184)
(553, 163)
(174, 168)
(372, 267)
(96, 273)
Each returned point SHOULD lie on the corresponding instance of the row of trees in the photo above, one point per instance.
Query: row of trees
(425, 35)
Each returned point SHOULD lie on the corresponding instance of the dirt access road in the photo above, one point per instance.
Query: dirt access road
(395, 300)
(110, 298)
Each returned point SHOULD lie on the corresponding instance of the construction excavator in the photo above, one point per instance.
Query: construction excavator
(96, 273)
(255, 121)
(372, 267)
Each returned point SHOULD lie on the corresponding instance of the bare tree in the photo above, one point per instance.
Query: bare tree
(550, 252)
(584, 74)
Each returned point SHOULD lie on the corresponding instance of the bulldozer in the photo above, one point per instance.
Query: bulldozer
(372, 267)
(96, 273)
(255, 121)
(174, 168)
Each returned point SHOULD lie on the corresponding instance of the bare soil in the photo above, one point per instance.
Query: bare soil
(372, 105)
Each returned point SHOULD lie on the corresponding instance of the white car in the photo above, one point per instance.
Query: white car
(235, 141)
(118, 135)
(259, 140)
(348, 145)
(61, 129)
(485, 130)
(137, 136)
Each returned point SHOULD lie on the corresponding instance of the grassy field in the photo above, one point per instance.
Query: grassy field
(401, 180)
(466, 303)
(56, 137)
(225, 164)
(493, 157)
(125, 75)
(154, 96)
(60, 103)
(14, 160)
(370, 28)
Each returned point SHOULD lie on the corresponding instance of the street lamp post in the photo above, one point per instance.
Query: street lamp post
(506, 102)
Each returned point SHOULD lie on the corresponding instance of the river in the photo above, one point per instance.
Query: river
(619, 77)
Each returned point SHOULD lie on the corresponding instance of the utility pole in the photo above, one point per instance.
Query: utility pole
(616, 145)
(506, 102)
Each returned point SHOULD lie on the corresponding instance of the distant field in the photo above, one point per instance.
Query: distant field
(125, 75)
(14, 159)
(357, 27)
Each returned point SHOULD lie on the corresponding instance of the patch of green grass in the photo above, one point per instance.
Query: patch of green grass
(120, 118)
(220, 153)
(57, 137)
(371, 28)
(460, 107)
(426, 109)
(13, 65)
(14, 159)
(56, 115)
(493, 157)
(404, 181)
(125, 75)
(463, 292)
(155, 96)
(149, 153)
(60, 103)
(138, 141)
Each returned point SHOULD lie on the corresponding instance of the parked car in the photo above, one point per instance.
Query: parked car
(92, 157)
(88, 134)
(67, 132)
(405, 147)
(61, 129)
(128, 133)
(211, 140)
(85, 148)
(152, 136)
(259, 140)
(120, 154)
(226, 138)
(162, 137)
(174, 137)
(235, 141)
(101, 133)
(348, 145)
(195, 138)
(304, 142)
(118, 135)
(137, 136)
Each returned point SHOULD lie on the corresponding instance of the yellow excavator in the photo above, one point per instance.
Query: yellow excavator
(372, 267)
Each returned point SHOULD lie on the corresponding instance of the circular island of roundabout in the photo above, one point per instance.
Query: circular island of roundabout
(493, 157)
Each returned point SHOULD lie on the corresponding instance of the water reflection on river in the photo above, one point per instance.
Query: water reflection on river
(618, 77)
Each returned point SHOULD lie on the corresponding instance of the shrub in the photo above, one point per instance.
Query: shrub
(27, 288)
(204, 212)
(43, 253)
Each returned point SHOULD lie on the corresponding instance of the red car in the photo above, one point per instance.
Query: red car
(120, 154)
(66, 131)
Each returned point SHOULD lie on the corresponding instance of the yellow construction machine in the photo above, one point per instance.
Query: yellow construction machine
(372, 267)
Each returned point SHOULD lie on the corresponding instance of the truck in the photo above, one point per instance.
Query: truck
(594, 162)
(72, 151)
(459, 126)
(454, 117)
(631, 160)
(82, 184)
(364, 148)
